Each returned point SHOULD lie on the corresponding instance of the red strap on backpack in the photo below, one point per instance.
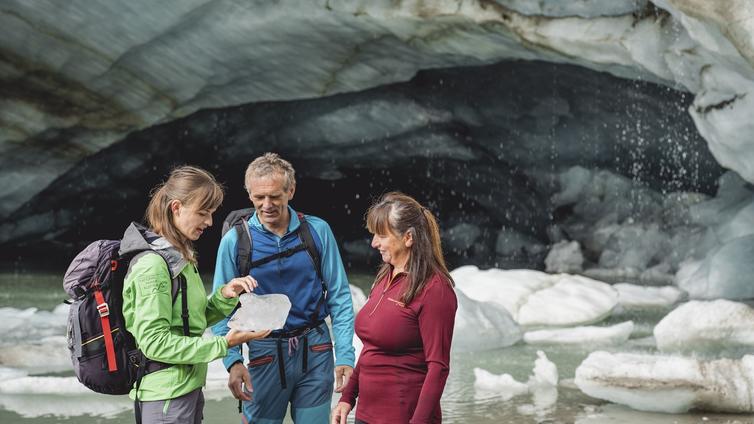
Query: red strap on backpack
(104, 313)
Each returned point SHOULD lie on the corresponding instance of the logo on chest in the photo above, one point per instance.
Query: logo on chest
(401, 304)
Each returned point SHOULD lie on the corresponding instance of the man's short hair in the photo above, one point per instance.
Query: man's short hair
(266, 166)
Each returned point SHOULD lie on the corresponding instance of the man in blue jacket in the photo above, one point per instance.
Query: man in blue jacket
(293, 365)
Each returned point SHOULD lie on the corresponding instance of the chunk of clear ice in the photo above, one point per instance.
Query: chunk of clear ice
(261, 312)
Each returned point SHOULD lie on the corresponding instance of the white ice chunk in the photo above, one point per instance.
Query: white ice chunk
(571, 300)
(18, 325)
(707, 326)
(358, 298)
(725, 272)
(542, 384)
(632, 296)
(46, 354)
(667, 383)
(34, 340)
(509, 289)
(632, 246)
(261, 312)
(43, 385)
(482, 326)
(615, 334)
(504, 384)
(565, 256)
(358, 345)
(535, 298)
(7, 373)
(545, 372)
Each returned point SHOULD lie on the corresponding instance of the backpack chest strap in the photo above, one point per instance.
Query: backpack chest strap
(284, 254)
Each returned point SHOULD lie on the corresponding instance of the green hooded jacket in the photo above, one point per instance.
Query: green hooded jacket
(155, 321)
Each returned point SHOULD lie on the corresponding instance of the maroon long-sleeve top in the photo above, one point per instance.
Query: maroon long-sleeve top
(401, 373)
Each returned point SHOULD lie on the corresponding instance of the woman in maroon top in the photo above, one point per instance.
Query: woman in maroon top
(407, 323)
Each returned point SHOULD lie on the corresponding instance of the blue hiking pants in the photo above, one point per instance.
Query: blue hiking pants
(297, 370)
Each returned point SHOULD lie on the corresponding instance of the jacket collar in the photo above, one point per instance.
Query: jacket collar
(138, 238)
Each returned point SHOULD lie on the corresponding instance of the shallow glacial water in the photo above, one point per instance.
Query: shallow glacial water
(55, 398)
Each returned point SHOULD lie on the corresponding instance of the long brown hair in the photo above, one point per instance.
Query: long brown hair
(189, 185)
(398, 214)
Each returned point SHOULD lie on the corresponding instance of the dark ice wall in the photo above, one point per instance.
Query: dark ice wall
(475, 144)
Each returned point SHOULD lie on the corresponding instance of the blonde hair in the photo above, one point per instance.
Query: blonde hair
(189, 185)
(266, 166)
(398, 214)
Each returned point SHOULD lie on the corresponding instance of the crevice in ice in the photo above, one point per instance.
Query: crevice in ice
(720, 105)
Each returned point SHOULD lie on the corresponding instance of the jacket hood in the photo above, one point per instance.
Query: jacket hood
(137, 238)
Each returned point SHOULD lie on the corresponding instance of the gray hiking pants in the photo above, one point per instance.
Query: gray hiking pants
(186, 409)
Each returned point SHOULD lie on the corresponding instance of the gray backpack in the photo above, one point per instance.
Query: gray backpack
(104, 354)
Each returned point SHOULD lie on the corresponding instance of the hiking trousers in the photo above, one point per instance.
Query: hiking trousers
(297, 370)
(186, 409)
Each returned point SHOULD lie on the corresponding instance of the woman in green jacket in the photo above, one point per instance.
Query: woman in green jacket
(178, 213)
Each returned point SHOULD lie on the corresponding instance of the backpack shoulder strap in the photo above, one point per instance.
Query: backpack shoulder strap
(184, 303)
(238, 221)
(244, 247)
(305, 233)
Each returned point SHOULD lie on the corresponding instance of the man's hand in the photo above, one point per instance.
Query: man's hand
(238, 378)
(340, 413)
(342, 374)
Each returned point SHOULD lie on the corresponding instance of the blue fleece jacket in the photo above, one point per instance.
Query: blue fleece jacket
(295, 277)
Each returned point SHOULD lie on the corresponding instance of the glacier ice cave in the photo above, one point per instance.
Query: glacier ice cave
(566, 146)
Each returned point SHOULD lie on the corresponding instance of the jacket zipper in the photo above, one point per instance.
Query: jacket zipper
(387, 287)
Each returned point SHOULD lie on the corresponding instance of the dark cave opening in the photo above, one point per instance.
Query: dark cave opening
(475, 144)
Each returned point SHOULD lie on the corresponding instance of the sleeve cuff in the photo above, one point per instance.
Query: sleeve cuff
(232, 356)
(346, 361)
(227, 368)
(349, 399)
(226, 306)
(345, 358)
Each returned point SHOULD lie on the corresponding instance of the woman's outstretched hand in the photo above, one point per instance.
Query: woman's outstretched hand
(237, 286)
(340, 413)
(235, 337)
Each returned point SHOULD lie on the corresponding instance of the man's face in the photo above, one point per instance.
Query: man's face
(270, 199)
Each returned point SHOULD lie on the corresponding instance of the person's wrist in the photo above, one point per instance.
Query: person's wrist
(222, 292)
(237, 362)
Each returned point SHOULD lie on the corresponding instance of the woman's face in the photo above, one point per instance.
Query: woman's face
(190, 220)
(394, 250)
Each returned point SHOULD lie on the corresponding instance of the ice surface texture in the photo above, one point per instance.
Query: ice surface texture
(707, 327)
(615, 334)
(542, 385)
(483, 326)
(534, 298)
(667, 383)
(261, 312)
